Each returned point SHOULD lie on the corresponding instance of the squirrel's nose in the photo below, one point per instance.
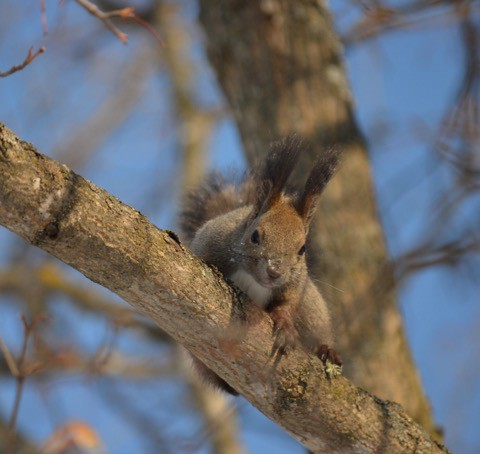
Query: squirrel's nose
(273, 272)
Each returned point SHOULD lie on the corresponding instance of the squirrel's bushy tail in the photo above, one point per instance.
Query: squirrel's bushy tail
(215, 196)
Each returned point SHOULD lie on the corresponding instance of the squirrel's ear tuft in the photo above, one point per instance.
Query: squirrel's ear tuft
(320, 175)
(275, 171)
(262, 190)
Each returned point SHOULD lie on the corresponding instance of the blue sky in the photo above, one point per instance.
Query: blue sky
(403, 83)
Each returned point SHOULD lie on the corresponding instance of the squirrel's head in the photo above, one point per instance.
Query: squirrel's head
(275, 234)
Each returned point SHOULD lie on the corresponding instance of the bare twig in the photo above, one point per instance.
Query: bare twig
(123, 13)
(379, 18)
(428, 256)
(105, 351)
(9, 359)
(94, 10)
(43, 14)
(145, 24)
(21, 374)
(30, 57)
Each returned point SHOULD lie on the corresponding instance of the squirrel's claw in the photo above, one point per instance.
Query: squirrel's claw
(286, 335)
(284, 342)
(325, 353)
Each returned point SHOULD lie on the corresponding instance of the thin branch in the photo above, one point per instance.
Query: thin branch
(12, 366)
(22, 374)
(69, 361)
(43, 15)
(427, 256)
(94, 10)
(30, 57)
(379, 18)
(146, 25)
(51, 280)
(123, 13)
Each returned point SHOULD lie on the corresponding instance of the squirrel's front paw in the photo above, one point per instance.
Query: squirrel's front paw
(285, 333)
(325, 353)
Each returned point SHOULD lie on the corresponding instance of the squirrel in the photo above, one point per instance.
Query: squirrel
(255, 233)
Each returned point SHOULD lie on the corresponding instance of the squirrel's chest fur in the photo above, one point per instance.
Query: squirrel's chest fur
(259, 294)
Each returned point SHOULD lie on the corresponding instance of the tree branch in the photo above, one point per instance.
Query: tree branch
(112, 244)
(106, 17)
(30, 57)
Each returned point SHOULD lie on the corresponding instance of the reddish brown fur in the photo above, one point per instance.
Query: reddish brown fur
(255, 234)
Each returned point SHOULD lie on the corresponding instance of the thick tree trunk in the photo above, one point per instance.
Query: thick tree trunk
(112, 244)
(280, 65)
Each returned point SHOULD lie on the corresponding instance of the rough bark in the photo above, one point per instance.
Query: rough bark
(280, 65)
(112, 244)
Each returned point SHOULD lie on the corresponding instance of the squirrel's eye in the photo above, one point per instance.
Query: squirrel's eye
(255, 238)
(302, 250)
